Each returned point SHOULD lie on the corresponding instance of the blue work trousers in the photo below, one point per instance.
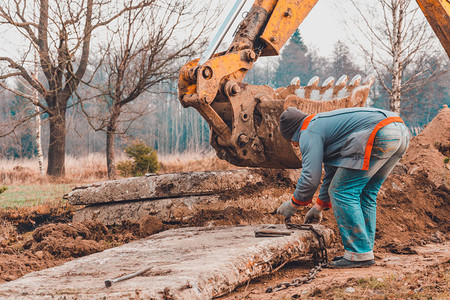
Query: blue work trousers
(354, 193)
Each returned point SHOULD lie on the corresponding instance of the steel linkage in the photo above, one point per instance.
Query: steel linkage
(297, 281)
(320, 258)
(320, 255)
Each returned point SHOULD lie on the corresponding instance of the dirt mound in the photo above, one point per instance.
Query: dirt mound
(69, 240)
(428, 150)
(53, 244)
(26, 219)
(413, 208)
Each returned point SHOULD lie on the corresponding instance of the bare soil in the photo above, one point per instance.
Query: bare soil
(412, 238)
(422, 275)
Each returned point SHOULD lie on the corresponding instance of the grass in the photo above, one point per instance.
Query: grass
(21, 185)
(197, 161)
(84, 169)
(17, 196)
(92, 167)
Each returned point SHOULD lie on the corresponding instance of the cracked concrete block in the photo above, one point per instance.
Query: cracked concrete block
(237, 209)
(172, 210)
(187, 263)
(164, 186)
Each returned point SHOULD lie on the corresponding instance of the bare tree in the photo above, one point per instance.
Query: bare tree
(146, 48)
(63, 42)
(398, 42)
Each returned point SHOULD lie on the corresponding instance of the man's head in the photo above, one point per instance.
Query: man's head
(290, 120)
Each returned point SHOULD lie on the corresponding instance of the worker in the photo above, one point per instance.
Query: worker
(358, 148)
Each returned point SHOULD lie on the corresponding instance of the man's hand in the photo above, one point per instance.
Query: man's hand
(287, 209)
(314, 215)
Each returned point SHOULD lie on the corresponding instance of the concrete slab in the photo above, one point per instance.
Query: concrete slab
(172, 210)
(253, 191)
(188, 263)
(256, 209)
(164, 186)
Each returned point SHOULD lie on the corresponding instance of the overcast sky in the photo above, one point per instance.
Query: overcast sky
(321, 29)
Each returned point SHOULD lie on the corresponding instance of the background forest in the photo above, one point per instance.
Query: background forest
(168, 127)
(143, 104)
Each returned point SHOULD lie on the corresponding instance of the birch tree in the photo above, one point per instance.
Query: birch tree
(63, 42)
(395, 46)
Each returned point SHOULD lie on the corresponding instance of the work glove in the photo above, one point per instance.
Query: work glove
(313, 216)
(287, 209)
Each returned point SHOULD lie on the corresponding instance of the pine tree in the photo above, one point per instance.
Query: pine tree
(295, 60)
(342, 62)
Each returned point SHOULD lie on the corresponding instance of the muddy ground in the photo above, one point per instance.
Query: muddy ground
(413, 229)
(423, 275)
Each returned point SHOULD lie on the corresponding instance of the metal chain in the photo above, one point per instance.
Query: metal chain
(320, 257)
(297, 281)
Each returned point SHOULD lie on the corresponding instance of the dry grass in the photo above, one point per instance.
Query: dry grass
(87, 168)
(92, 168)
(188, 162)
(18, 170)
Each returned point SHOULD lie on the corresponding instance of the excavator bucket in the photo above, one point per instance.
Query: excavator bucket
(251, 113)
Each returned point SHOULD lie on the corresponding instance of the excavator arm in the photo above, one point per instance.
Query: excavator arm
(244, 118)
(437, 13)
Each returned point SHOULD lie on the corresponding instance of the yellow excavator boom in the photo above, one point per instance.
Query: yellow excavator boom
(244, 118)
(437, 13)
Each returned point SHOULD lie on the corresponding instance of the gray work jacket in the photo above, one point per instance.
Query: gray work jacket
(335, 139)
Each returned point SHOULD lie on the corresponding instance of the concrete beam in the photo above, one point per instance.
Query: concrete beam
(187, 263)
(172, 210)
(164, 186)
(253, 209)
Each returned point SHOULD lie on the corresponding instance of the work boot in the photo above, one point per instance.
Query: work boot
(345, 263)
(337, 258)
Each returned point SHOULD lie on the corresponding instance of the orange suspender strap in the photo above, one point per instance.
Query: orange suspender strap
(306, 122)
(369, 145)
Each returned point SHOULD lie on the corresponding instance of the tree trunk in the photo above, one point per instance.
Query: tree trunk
(38, 140)
(36, 107)
(396, 92)
(397, 71)
(395, 100)
(57, 143)
(110, 137)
